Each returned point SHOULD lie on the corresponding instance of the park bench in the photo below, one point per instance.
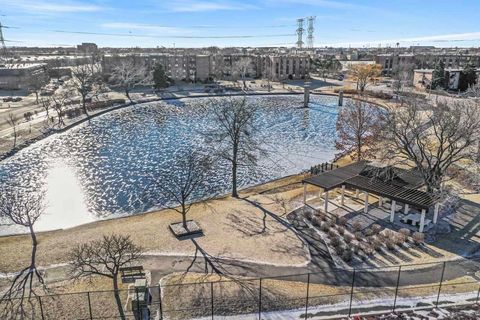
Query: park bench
(130, 274)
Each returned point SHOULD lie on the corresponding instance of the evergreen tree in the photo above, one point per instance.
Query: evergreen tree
(468, 77)
(160, 79)
(438, 76)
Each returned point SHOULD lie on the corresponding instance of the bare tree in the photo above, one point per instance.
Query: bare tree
(22, 208)
(241, 67)
(127, 74)
(86, 80)
(179, 189)
(359, 129)
(35, 84)
(47, 106)
(59, 103)
(363, 74)
(432, 138)
(12, 121)
(104, 258)
(402, 75)
(235, 135)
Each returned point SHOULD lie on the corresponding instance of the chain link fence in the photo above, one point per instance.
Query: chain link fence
(322, 294)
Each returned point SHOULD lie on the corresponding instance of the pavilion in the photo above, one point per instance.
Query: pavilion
(398, 185)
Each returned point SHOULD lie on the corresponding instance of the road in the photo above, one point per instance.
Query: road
(161, 266)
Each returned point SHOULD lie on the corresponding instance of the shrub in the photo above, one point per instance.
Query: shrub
(357, 226)
(400, 239)
(335, 242)
(359, 235)
(369, 232)
(405, 232)
(389, 234)
(309, 215)
(325, 226)
(418, 237)
(376, 228)
(367, 249)
(390, 243)
(316, 221)
(347, 255)
(321, 216)
(348, 237)
(376, 244)
(332, 233)
(341, 230)
(342, 221)
(356, 248)
(340, 250)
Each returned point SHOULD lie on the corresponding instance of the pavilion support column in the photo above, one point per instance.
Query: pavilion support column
(343, 195)
(304, 193)
(357, 193)
(422, 221)
(380, 201)
(365, 209)
(392, 211)
(326, 200)
(435, 212)
(407, 208)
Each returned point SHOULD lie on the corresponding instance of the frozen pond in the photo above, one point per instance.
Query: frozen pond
(101, 169)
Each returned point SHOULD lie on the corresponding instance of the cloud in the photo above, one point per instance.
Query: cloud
(320, 3)
(42, 6)
(201, 6)
(454, 37)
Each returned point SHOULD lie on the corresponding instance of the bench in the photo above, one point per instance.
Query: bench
(130, 274)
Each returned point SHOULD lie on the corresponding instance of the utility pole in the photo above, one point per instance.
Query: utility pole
(300, 32)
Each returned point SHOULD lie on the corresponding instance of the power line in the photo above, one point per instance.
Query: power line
(172, 37)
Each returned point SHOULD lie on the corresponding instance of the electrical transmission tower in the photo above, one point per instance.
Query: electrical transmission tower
(310, 30)
(300, 33)
(3, 49)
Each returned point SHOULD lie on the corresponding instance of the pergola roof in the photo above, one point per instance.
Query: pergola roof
(394, 183)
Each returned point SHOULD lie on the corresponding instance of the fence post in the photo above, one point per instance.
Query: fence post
(260, 301)
(41, 307)
(440, 285)
(211, 296)
(351, 294)
(160, 301)
(478, 295)
(139, 312)
(396, 288)
(306, 301)
(89, 305)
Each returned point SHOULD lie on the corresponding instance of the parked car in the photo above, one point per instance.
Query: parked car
(16, 99)
(7, 99)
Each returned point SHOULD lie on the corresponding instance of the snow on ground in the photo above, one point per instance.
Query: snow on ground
(340, 310)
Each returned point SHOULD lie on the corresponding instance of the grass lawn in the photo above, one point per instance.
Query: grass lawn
(233, 228)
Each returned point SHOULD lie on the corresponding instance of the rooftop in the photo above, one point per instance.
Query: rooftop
(390, 182)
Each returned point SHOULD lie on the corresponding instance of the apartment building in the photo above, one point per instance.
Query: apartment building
(284, 67)
(22, 77)
(203, 67)
(425, 60)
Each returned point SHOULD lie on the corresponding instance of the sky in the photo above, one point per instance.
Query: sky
(202, 23)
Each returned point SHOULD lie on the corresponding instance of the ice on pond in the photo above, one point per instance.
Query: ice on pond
(112, 157)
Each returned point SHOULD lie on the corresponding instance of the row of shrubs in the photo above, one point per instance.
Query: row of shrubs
(367, 240)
